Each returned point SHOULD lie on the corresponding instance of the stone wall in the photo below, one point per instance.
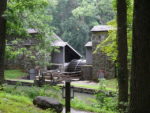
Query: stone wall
(102, 66)
(86, 72)
(20, 62)
(89, 55)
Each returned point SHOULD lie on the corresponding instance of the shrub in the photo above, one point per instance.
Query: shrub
(32, 91)
(104, 99)
(10, 103)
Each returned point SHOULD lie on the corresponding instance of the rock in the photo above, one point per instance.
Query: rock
(46, 102)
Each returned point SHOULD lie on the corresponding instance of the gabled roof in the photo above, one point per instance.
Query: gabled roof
(58, 42)
(88, 44)
(102, 28)
(32, 31)
(74, 50)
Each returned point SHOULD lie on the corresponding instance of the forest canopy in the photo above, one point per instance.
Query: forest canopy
(73, 19)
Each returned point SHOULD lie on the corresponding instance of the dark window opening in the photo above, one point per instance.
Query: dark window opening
(70, 54)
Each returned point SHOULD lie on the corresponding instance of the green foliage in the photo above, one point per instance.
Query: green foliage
(32, 92)
(9, 54)
(12, 74)
(106, 100)
(18, 104)
(22, 15)
(78, 104)
(23, 95)
(73, 19)
(94, 105)
(109, 45)
(100, 10)
(19, 15)
(110, 106)
(110, 85)
(77, 33)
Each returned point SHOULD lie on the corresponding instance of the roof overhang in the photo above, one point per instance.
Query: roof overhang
(58, 42)
(102, 28)
(88, 44)
(32, 31)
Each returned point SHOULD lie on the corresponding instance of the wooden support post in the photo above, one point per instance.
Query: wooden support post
(68, 96)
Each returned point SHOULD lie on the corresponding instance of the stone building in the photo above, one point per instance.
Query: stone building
(64, 54)
(102, 65)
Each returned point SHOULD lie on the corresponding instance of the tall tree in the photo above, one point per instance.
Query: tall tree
(78, 17)
(22, 15)
(140, 77)
(122, 52)
(3, 4)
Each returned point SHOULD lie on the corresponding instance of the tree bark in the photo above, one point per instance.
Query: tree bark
(3, 4)
(140, 77)
(122, 53)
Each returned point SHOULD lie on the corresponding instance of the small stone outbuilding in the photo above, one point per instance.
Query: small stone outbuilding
(102, 66)
(66, 53)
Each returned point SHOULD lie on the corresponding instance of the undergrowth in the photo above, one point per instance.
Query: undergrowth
(33, 91)
(10, 103)
(104, 102)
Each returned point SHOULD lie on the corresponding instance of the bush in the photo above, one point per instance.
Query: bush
(32, 92)
(104, 99)
(10, 103)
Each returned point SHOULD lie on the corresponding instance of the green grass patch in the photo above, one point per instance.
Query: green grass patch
(18, 104)
(101, 104)
(110, 85)
(33, 91)
(94, 107)
(13, 74)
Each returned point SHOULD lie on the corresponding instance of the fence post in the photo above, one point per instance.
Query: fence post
(68, 96)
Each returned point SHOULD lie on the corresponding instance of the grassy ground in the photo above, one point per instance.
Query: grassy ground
(18, 99)
(17, 96)
(110, 85)
(102, 103)
(18, 104)
(13, 74)
(106, 107)
(32, 91)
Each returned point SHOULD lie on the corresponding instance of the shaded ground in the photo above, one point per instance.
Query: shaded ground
(77, 111)
(81, 101)
(110, 85)
(10, 103)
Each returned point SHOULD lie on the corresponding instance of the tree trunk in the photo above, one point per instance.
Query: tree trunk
(122, 53)
(2, 38)
(140, 77)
